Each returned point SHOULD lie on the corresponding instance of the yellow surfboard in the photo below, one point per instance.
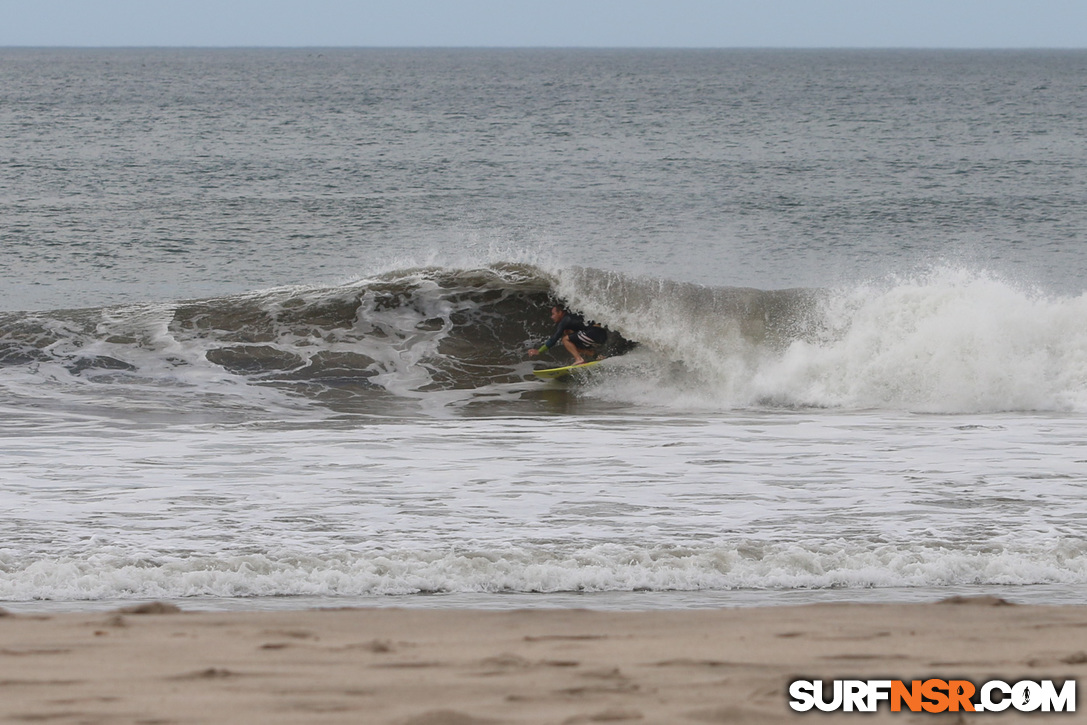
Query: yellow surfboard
(556, 373)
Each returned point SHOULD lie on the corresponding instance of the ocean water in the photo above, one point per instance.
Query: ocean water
(266, 313)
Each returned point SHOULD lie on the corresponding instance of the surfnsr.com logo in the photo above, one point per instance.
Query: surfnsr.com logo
(932, 695)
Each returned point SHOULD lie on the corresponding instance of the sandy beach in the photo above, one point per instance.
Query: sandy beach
(156, 664)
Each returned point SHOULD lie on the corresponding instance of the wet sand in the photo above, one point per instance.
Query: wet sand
(441, 667)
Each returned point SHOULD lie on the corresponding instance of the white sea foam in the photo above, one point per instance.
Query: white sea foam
(952, 340)
(601, 568)
(765, 501)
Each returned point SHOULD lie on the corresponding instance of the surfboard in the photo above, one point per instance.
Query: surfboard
(556, 373)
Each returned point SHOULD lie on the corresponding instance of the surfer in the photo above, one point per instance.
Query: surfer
(578, 337)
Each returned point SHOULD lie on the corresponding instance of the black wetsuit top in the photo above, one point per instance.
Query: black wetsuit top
(568, 322)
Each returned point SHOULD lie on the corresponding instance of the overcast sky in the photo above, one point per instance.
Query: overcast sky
(554, 23)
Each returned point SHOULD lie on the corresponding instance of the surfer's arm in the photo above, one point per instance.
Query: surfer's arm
(550, 343)
(569, 322)
(539, 350)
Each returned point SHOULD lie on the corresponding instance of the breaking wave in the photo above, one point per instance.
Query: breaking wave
(434, 338)
(599, 568)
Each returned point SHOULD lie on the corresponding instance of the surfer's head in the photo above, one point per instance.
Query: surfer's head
(557, 313)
